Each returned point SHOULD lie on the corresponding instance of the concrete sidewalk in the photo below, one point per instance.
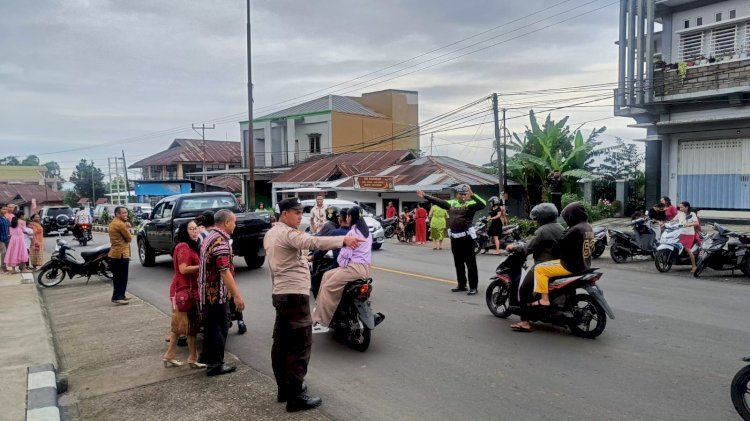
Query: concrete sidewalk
(112, 358)
(26, 342)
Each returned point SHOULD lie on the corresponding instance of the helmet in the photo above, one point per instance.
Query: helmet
(332, 214)
(461, 188)
(544, 213)
(493, 201)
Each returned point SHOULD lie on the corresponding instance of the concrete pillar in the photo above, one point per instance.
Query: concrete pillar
(621, 190)
(267, 143)
(291, 135)
(588, 190)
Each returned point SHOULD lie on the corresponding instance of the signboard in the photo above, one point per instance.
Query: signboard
(373, 183)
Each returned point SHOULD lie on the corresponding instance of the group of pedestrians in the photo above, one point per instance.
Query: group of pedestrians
(21, 246)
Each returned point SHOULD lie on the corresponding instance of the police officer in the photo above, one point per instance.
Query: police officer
(461, 230)
(292, 333)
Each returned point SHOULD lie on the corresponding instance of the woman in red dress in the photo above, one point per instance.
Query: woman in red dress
(420, 218)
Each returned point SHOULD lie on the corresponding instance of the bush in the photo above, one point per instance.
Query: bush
(526, 227)
(104, 217)
(569, 198)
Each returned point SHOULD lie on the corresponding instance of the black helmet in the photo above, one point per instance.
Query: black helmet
(544, 213)
(332, 214)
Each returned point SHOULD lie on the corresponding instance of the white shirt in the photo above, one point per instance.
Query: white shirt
(684, 219)
(83, 217)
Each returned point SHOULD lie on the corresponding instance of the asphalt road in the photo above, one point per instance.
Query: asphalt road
(669, 355)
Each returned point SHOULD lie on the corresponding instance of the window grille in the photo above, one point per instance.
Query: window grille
(723, 40)
(691, 46)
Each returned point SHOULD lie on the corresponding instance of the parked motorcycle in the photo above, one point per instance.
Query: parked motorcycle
(643, 241)
(584, 314)
(62, 263)
(353, 321)
(740, 390)
(82, 234)
(389, 225)
(671, 251)
(600, 234)
(712, 253)
(483, 242)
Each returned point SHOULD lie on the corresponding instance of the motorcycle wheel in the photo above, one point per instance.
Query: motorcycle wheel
(585, 310)
(359, 335)
(699, 267)
(618, 253)
(50, 277)
(497, 298)
(746, 268)
(740, 392)
(390, 231)
(105, 270)
(477, 247)
(598, 249)
(663, 260)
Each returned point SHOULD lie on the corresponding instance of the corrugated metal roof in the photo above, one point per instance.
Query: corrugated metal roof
(230, 183)
(337, 103)
(321, 168)
(191, 150)
(21, 173)
(432, 171)
(9, 192)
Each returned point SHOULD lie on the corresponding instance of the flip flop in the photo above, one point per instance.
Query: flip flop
(538, 303)
(518, 328)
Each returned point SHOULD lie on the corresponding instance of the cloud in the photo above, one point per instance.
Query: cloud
(105, 72)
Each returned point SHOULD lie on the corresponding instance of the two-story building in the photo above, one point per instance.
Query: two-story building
(684, 76)
(377, 121)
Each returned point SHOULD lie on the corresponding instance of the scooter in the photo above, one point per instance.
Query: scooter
(713, 255)
(641, 242)
(671, 251)
(353, 321)
(83, 234)
(600, 235)
(740, 390)
(585, 314)
(483, 242)
(389, 225)
(62, 263)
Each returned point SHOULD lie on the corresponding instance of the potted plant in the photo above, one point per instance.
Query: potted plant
(712, 59)
(690, 63)
(660, 64)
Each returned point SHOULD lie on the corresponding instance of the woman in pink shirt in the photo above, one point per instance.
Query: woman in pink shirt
(353, 264)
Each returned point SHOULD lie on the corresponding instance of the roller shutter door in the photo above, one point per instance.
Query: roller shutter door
(714, 174)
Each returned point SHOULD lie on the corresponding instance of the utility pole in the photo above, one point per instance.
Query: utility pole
(109, 172)
(432, 140)
(500, 173)
(505, 155)
(127, 184)
(250, 147)
(203, 128)
(93, 191)
(117, 181)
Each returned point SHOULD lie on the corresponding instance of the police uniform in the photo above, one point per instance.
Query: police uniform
(290, 274)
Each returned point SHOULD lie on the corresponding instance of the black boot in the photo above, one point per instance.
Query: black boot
(302, 402)
(281, 396)
(241, 327)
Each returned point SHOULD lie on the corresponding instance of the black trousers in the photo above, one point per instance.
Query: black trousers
(119, 277)
(233, 313)
(215, 329)
(557, 201)
(292, 341)
(464, 258)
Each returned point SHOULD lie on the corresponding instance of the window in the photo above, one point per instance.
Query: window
(156, 172)
(732, 14)
(168, 206)
(157, 211)
(314, 142)
(687, 24)
(216, 167)
(698, 21)
(171, 172)
(718, 17)
(722, 40)
(691, 46)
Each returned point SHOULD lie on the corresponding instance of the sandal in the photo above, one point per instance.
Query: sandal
(518, 327)
(538, 303)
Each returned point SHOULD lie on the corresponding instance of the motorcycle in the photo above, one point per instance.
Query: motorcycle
(600, 234)
(643, 241)
(713, 255)
(62, 263)
(483, 242)
(568, 308)
(353, 321)
(740, 390)
(389, 225)
(671, 251)
(83, 234)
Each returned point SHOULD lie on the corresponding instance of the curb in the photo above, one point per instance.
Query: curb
(41, 394)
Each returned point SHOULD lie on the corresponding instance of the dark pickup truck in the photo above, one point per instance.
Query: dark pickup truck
(156, 235)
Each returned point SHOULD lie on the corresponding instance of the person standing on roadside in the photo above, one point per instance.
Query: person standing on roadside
(555, 180)
(317, 215)
(390, 211)
(4, 237)
(290, 276)
(119, 254)
(461, 218)
(420, 224)
(215, 282)
(36, 252)
(438, 218)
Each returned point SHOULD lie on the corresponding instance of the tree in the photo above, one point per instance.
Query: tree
(71, 199)
(82, 177)
(31, 160)
(10, 160)
(623, 161)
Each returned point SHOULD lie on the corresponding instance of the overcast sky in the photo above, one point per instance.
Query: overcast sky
(89, 78)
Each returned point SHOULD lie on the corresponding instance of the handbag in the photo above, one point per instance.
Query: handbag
(184, 300)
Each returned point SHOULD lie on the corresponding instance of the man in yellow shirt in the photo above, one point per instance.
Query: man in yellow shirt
(119, 254)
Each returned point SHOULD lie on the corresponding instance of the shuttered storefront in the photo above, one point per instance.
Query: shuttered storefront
(714, 174)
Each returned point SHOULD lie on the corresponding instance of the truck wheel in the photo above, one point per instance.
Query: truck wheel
(146, 254)
(254, 262)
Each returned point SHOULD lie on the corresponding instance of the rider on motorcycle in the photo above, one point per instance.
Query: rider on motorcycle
(81, 217)
(576, 247)
(543, 246)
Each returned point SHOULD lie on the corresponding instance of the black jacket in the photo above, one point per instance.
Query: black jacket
(460, 215)
(578, 243)
(545, 243)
